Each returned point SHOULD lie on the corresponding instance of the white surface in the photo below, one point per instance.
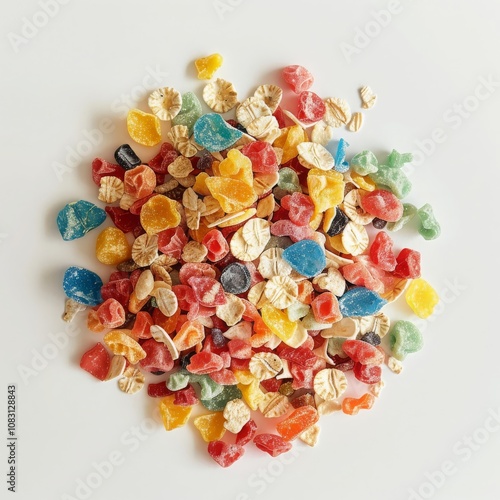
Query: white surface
(76, 71)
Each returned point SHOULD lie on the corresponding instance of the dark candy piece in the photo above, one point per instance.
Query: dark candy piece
(235, 278)
(371, 337)
(379, 223)
(126, 157)
(338, 224)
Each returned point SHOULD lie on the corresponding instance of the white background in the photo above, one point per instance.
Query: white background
(79, 68)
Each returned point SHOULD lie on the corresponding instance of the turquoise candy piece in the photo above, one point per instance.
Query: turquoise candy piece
(405, 338)
(397, 160)
(83, 286)
(409, 211)
(364, 163)
(178, 380)
(429, 226)
(219, 402)
(306, 257)
(289, 180)
(360, 301)
(393, 179)
(341, 165)
(190, 112)
(76, 219)
(213, 133)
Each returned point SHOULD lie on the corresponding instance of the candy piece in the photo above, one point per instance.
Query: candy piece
(300, 208)
(225, 454)
(262, 156)
(158, 214)
(371, 337)
(111, 314)
(362, 352)
(289, 180)
(235, 278)
(190, 112)
(205, 362)
(272, 444)
(158, 357)
(382, 204)
(351, 406)
(421, 297)
(190, 334)
(83, 286)
(297, 422)
(341, 165)
(165, 103)
(278, 322)
(126, 157)
(96, 361)
(326, 308)
(237, 166)
(409, 211)
(173, 416)
(306, 257)
(207, 66)
(220, 400)
(158, 390)
(311, 107)
(429, 226)
(186, 397)
(76, 219)
(364, 163)
(112, 247)
(232, 194)
(124, 345)
(368, 374)
(408, 264)
(398, 160)
(381, 252)
(144, 128)
(338, 222)
(101, 168)
(360, 301)
(172, 241)
(214, 134)
(246, 433)
(393, 178)
(211, 426)
(405, 338)
(298, 78)
(326, 189)
(140, 181)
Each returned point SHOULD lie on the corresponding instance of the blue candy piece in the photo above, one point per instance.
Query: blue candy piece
(214, 134)
(82, 285)
(360, 301)
(78, 218)
(341, 165)
(306, 257)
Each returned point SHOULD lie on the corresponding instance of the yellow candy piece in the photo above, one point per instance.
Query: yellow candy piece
(199, 234)
(144, 128)
(237, 166)
(207, 66)
(232, 194)
(159, 213)
(122, 344)
(112, 247)
(315, 220)
(334, 244)
(326, 188)
(211, 426)
(244, 377)
(363, 182)
(289, 139)
(252, 394)
(421, 297)
(200, 185)
(278, 322)
(173, 416)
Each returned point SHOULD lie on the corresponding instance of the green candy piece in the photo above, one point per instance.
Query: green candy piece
(190, 112)
(289, 180)
(335, 347)
(405, 338)
(219, 402)
(364, 163)
(397, 160)
(178, 380)
(429, 226)
(409, 211)
(209, 388)
(393, 179)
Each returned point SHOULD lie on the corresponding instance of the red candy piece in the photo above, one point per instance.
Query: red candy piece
(158, 357)
(172, 241)
(137, 206)
(186, 397)
(262, 156)
(169, 158)
(134, 276)
(303, 378)
(239, 349)
(111, 314)
(271, 384)
(159, 390)
(96, 361)
(382, 204)
(280, 116)
(198, 269)
(205, 362)
(101, 168)
(298, 77)
(300, 208)
(362, 352)
(343, 364)
(381, 252)
(311, 108)
(297, 422)
(207, 291)
(358, 274)
(117, 275)
(142, 325)
(326, 308)
(119, 290)
(123, 219)
(368, 374)
(408, 264)
(240, 364)
(224, 376)
(271, 443)
(225, 454)
(295, 232)
(301, 356)
(216, 245)
(185, 296)
(247, 433)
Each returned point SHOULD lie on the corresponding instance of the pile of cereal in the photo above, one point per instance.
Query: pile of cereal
(251, 263)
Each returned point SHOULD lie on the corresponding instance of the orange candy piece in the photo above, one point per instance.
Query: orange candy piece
(159, 213)
(232, 194)
(351, 406)
(140, 181)
(326, 308)
(190, 334)
(297, 422)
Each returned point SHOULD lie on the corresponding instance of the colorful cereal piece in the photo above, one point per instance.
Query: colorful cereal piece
(76, 219)
(96, 361)
(82, 285)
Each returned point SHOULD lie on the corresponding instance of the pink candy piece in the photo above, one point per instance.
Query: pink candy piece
(224, 377)
(382, 204)
(300, 208)
(208, 292)
(158, 357)
(111, 314)
(381, 252)
(216, 245)
(362, 352)
(239, 349)
(298, 78)
(262, 156)
(311, 108)
(288, 228)
(197, 269)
